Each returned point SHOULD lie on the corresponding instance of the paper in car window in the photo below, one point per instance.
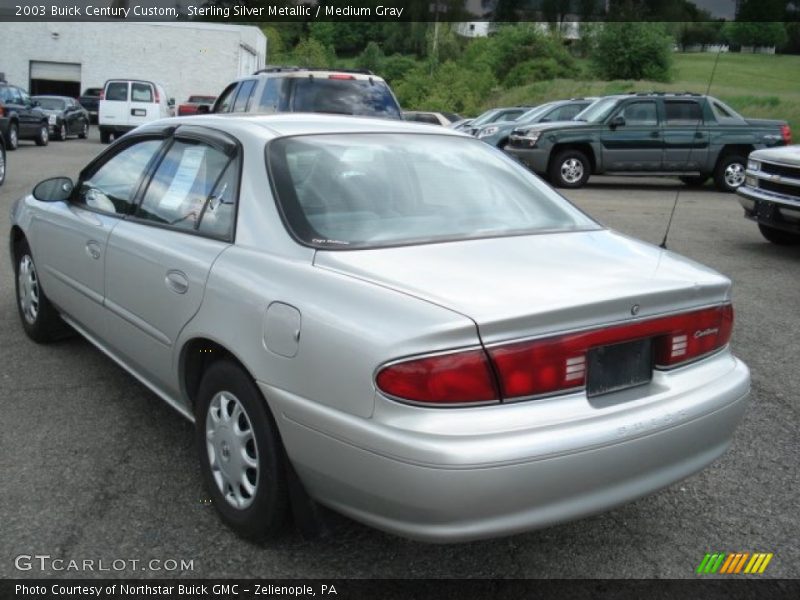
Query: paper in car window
(184, 178)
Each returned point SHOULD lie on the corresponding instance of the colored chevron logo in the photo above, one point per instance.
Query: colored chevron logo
(734, 563)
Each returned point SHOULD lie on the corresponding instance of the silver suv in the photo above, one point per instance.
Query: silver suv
(300, 89)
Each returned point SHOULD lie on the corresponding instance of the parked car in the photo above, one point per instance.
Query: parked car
(128, 103)
(508, 113)
(497, 133)
(65, 116)
(404, 323)
(770, 194)
(687, 135)
(296, 89)
(90, 100)
(3, 164)
(462, 124)
(21, 118)
(431, 118)
(193, 104)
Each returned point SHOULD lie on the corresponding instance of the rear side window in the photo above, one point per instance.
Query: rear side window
(243, 97)
(117, 91)
(343, 97)
(112, 187)
(194, 188)
(141, 92)
(683, 112)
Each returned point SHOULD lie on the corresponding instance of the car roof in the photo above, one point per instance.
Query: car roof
(289, 124)
(310, 72)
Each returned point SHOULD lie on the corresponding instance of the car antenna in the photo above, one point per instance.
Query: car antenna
(663, 243)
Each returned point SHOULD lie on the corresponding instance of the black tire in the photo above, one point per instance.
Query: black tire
(43, 137)
(46, 325)
(723, 178)
(84, 132)
(61, 133)
(3, 162)
(268, 509)
(779, 236)
(13, 136)
(695, 180)
(574, 162)
(105, 137)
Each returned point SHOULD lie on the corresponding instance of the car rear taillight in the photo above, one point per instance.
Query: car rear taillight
(558, 364)
(444, 379)
(2, 111)
(340, 76)
(551, 365)
(786, 134)
(158, 100)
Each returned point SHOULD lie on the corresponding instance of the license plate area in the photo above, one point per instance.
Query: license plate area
(139, 112)
(619, 366)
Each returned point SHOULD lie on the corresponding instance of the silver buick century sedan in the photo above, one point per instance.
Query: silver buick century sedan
(404, 323)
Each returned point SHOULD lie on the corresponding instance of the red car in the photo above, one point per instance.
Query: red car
(193, 103)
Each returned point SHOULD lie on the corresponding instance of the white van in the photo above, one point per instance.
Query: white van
(128, 103)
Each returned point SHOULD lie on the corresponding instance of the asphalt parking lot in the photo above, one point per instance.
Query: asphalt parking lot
(94, 466)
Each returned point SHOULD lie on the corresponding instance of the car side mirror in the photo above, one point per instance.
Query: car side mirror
(617, 121)
(55, 189)
(203, 109)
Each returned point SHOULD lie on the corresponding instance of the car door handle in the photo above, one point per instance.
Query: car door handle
(93, 249)
(177, 281)
(655, 134)
(698, 135)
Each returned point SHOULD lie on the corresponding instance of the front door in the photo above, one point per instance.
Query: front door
(636, 144)
(71, 238)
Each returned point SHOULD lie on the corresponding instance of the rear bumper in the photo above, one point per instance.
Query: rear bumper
(521, 472)
(116, 128)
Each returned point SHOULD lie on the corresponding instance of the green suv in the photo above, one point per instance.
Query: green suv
(690, 136)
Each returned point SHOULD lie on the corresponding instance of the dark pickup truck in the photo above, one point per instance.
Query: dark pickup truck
(690, 136)
(91, 101)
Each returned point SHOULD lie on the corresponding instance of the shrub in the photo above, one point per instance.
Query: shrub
(633, 50)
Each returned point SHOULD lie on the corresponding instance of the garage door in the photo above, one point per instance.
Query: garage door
(56, 71)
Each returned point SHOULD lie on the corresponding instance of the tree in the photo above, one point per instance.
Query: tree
(313, 53)
(756, 33)
(633, 50)
(371, 58)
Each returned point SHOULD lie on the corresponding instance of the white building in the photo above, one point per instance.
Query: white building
(65, 58)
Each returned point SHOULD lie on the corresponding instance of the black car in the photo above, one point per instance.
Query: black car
(20, 118)
(65, 116)
(90, 100)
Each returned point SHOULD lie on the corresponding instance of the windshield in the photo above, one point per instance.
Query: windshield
(365, 97)
(597, 111)
(50, 103)
(484, 118)
(535, 113)
(348, 191)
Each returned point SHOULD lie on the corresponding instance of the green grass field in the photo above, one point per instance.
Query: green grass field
(757, 85)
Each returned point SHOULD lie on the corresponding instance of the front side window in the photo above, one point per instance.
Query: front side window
(372, 190)
(344, 97)
(112, 187)
(225, 100)
(194, 188)
(640, 113)
(117, 91)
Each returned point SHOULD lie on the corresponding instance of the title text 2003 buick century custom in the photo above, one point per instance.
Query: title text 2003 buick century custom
(437, 343)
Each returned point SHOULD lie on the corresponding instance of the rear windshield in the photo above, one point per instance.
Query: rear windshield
(51, 103)
(117, 90)
(344, 97)
(370, 190)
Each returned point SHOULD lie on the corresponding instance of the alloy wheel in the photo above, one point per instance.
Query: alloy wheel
(572, 170)
(13, 138)
(734, 175)
(63, 132)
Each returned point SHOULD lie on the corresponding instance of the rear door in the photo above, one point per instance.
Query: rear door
(686, 136)
(115, 105)
(159, 259)
(638, 144)
(144, 104)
